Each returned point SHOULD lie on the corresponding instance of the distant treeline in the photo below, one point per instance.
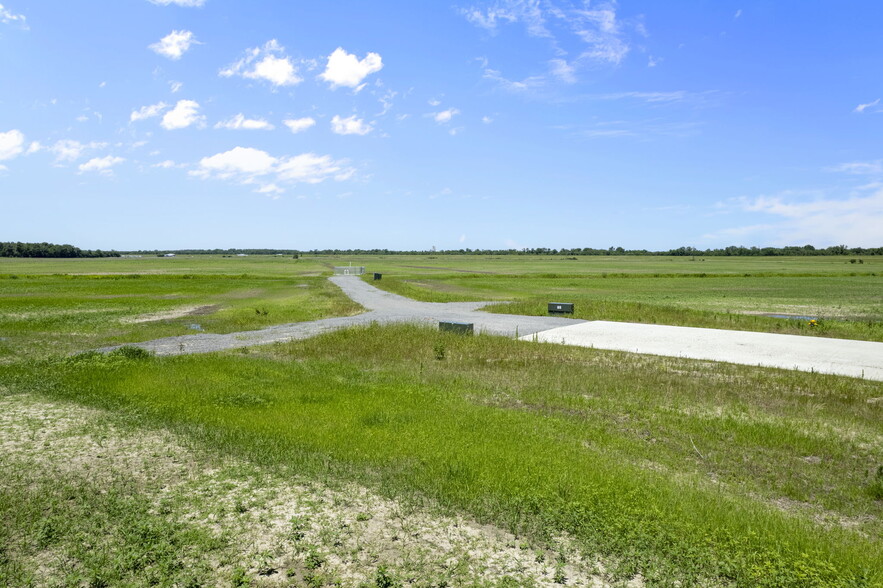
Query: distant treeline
(732, 251)
(49, 250)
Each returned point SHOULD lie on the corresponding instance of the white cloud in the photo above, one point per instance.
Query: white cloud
(297, 125)
(434, 102)
(861, 107)
(11, 144)
(249, 166)
(101, 165)
(350, 126)
(738, 13)
(345, 69)
(240, 122)
(267, 63)
(174, 45)
(445, 116)
(175, 86)
(34, 147)
(194, 3)
(856, 220)
(860, 167)
(7, 17)
(68, 150)
(312, 169)
(238, 161)
(184, 114)
(147, 111)
(563, 70)
(590, 31)
(167, 164)
(487, 120)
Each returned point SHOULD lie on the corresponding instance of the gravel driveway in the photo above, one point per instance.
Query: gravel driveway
(383, 307)
(862, 359)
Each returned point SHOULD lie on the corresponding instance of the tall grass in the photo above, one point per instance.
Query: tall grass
(675, 469)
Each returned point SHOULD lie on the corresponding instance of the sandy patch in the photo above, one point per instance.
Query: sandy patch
(171, 314)
(281, 529)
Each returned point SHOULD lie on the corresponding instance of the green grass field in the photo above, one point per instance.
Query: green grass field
(682, 472)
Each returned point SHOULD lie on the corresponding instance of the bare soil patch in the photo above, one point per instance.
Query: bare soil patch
(279, 529)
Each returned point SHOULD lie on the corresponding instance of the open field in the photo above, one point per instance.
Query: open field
(351, 457)
(724, 293)
(62, 306)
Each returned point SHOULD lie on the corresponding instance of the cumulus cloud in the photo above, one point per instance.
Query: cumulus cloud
(194, 3)
(184, 114)
(7, 17)
(147, 111)
(250, 166)
(297, 125)
(268, 63)
(11, 144)
(34, 147)
(174, 45)
(350, 126)
(862, 107)
(167, 164)
(345, 69)
(239, 122)
(445, 116)
(101, 165)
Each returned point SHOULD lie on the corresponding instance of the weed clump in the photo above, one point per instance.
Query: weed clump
(875, 488)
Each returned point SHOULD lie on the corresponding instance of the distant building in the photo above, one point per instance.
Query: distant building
(169, 255)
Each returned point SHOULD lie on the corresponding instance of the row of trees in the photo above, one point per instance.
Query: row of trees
(51, 250)
(19, 249)
(736, 251)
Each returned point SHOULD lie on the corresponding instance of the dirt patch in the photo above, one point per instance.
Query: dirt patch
(171, 314)
(278, 528)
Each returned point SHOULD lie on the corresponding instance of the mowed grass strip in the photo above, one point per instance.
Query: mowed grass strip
(675, 469)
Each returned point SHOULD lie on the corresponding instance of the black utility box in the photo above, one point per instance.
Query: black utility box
(561, 308)
(377, 276)
(463, 328)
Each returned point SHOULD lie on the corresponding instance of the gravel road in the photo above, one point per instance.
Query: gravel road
(383, 307)
(862, 359)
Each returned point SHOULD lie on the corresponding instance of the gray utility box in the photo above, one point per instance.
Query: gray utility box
(377, 276)
(462, 328)
(561, 308)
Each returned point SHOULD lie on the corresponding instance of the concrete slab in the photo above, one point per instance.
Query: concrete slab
(860, 359)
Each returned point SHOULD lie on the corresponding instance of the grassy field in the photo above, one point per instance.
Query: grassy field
(730, 293)
(62, 306)
(656, 470)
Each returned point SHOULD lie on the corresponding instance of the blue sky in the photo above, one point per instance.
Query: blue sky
(407, 125)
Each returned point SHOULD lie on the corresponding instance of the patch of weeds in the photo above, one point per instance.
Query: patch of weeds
(363, 516)
(314, 560)
(875, 488)
(383, 579)
(560, 577)
(439, 351)
(239, 578)
(131, 352)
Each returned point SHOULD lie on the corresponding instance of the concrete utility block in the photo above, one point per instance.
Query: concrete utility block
(462, 328)
(561, 307)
